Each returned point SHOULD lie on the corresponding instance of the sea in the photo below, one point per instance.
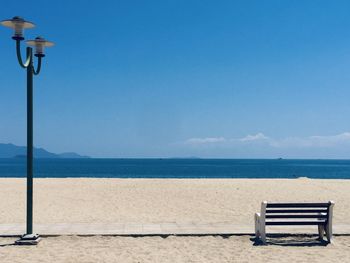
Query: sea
(178, 168)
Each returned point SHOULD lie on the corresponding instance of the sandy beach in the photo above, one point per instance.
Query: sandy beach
(163, 200)
(240, 249)
(167, 200)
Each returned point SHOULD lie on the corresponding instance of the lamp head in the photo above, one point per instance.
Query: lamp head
(39, 43)
(17, 24)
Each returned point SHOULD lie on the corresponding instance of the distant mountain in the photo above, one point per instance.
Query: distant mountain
(9, 150)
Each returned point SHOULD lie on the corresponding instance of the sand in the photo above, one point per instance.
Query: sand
(174, 249)
(167, 200)
(164, 200)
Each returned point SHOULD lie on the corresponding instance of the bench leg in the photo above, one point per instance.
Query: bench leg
(257, 225)
(259, 229)
(329, 227)
(329, 232)
(320, 231)
(263, 234)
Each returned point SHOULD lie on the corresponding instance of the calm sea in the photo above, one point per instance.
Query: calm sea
(179, 168)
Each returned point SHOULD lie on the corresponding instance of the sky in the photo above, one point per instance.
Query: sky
(211, 79)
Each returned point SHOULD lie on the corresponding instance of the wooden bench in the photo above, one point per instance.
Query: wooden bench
(282, 214)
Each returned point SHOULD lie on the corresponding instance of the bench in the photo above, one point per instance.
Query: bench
(282, 214)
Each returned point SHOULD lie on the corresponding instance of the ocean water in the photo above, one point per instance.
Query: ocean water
(178, 168)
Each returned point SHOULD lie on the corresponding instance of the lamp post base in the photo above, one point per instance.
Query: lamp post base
(31, 239)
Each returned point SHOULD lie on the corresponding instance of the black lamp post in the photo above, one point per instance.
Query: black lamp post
(18, 24)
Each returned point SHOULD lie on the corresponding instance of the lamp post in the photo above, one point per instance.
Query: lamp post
(39, 43)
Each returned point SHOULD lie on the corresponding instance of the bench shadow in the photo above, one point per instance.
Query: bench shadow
(8, 244)
(290, 240)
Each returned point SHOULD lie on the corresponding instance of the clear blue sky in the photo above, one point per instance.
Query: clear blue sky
(184, 78)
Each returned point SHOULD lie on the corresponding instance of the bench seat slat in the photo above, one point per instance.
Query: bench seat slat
(297, 216)
(278, 211)
(280, 223)
(290, 205)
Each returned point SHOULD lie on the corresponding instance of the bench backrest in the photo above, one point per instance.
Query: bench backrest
(297, 213)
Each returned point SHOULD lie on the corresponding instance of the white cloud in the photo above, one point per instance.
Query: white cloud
(313, 141)
(288, 142)
(256, 137)
(331, 140)
(209, 140)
